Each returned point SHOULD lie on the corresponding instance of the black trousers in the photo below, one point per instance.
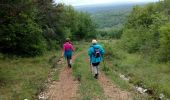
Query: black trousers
(96, 64)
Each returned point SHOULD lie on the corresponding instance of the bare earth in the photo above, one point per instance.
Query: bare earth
(111, 91)
(66, 87)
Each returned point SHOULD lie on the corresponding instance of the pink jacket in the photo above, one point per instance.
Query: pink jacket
(67, 47)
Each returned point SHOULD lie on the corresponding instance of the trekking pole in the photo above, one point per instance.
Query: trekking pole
(90, 66)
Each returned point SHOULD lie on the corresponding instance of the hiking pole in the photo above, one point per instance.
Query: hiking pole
(90, 66)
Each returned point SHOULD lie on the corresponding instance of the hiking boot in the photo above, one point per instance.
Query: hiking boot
(70, 65)
(96, 76)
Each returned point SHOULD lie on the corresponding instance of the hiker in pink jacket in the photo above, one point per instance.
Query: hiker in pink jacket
(68, 51)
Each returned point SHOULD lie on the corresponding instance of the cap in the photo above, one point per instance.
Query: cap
(67, 39)
(94, 41)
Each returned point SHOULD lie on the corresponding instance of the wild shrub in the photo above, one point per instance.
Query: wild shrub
(164, 50)
(146, 31)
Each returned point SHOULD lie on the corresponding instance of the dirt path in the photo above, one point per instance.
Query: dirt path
(65, 88)
(111, 91)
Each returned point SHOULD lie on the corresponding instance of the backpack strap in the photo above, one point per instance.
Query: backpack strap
(93, 49)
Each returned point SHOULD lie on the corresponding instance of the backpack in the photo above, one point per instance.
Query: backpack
(96, 52)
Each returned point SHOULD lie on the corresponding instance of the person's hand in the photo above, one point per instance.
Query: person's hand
(88, 58)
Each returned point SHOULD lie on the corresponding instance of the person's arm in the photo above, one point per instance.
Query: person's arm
(102, 50)
(72, 48)
(89, 51)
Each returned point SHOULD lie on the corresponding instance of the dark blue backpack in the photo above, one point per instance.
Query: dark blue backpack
(96, 52)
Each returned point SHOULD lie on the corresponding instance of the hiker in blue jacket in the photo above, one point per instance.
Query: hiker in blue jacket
(95, 53)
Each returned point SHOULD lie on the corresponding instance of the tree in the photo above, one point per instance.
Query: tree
(19, 33)
(147, 30)
(164, 49)
(30, 27)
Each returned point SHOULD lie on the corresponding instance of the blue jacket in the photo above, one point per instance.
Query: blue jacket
(91, 51)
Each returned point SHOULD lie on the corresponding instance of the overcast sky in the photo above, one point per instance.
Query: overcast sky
(88, 2)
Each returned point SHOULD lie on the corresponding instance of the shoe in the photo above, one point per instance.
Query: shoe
(70, 65)
(96, 76)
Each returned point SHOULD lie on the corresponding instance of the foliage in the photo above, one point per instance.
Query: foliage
(112, 32)
(23, 78)
(85, 27)
(165, 42)
(137, 68)
(110, 15)
(109, 19)
(19, 33)
(28, 28)
(89, 88)
(143, 31)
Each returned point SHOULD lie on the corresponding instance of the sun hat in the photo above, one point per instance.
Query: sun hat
(94, 41)
(67, 39)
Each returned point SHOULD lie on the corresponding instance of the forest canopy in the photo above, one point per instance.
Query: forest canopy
(147, 30)
(30, 27)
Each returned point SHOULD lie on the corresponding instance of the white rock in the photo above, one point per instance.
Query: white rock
(126, 79)
(141, 90)
(123, 77)
(144, 90)
(161, 95)
(41, 97)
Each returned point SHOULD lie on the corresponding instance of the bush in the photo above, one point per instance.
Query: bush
(22, 38)
(112, 51)
(164, 50)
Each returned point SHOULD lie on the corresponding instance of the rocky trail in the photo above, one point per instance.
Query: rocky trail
(111, 91)
(66, 88)
(63, 89)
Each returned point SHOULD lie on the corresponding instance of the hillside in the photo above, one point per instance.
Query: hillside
(56, 52)
(108, 15)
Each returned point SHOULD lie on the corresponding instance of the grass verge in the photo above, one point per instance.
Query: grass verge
(89, 88)
(23, 78)
(142, 72)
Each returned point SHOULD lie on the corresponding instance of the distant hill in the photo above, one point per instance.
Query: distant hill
(108, 15)
(105, 7)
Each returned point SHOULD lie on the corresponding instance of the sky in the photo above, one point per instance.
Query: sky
(90, 2)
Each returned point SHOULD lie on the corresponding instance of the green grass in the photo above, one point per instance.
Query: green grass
(22, 78)
(81, 45)
(143, 72)
(89, 87)
(150, 75)
(108, 67)
(114, 76)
